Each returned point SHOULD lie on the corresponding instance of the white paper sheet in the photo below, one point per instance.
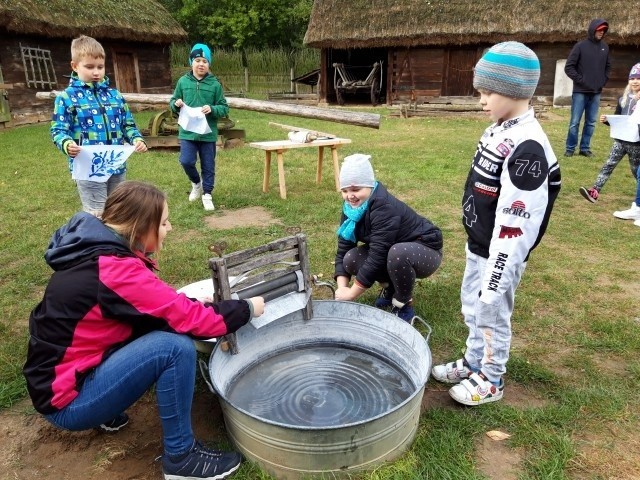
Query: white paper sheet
(624, 127)
(98, 162)
(193, 120)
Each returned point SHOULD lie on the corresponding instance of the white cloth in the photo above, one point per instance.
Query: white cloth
(98, 162)
(193, 120)
(624, 127)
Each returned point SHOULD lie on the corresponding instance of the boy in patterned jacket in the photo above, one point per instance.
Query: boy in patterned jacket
(508, 197)
(90, 112)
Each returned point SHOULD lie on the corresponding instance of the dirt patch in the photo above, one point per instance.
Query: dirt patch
(437, 395)
(243, 217)
(496, 460)
(33, 448)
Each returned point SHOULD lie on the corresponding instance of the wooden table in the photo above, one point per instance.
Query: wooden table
(280, 146)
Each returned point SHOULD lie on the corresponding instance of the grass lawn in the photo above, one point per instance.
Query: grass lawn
(574, 369)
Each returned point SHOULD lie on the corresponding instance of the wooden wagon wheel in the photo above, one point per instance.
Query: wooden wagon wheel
(375, 92)
(339, 94)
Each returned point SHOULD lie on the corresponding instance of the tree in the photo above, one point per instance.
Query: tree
(245, 23)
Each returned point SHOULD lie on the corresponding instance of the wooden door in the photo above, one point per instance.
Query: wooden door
(458, 78)
(125, 66)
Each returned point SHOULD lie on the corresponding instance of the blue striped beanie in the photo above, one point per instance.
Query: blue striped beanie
(508, 68)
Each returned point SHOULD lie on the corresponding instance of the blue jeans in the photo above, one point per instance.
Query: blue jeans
(587, 103)
(189, 150)
(165, 359)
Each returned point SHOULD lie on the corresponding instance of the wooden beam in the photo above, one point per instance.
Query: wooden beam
(361, 119)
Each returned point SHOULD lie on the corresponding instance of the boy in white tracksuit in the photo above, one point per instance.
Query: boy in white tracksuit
(508, 197)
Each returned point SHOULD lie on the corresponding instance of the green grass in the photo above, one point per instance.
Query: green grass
(576, 337)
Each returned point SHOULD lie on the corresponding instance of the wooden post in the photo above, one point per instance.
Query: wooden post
(246, 80)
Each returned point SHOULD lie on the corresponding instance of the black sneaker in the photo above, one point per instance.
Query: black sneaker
(568, 153)
(201, 462)
(114, 425)
(586, 153)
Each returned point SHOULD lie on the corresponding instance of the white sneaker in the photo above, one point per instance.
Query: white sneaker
(632, 214)
(196, 191)
(207, 202)
(452, 372)
(476, 390)
(637, 223)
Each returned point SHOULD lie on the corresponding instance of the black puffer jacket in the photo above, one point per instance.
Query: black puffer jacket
(588, 64)
(386, 222)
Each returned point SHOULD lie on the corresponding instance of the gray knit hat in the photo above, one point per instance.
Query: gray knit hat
(510, 69)
(357, 171)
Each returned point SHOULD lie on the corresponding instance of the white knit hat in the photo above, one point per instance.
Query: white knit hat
(357, 171)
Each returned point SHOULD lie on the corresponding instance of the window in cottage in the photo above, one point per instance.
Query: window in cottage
(38, 67)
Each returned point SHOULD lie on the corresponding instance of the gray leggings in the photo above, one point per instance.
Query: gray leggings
(619, 149)
(405, 262)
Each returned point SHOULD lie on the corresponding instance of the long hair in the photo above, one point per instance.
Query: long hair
(134, 209)
(625, 96)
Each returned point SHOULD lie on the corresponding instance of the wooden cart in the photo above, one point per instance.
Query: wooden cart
(345, 80)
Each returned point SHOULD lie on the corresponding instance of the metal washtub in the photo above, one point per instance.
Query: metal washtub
(334, 394)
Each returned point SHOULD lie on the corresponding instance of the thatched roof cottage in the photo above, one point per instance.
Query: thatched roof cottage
(429, 47)
(35, 41)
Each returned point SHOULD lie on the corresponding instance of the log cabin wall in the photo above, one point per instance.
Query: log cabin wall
(151, 65)
(434, 72)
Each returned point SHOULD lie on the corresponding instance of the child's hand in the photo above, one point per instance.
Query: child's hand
(206, 109)
(258, 305)
(603, 118)
(73, 149)
(179, 103)
(344, 293)
(140, 146)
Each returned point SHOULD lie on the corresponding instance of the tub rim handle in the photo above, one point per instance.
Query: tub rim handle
(205, 376)
(425, 324)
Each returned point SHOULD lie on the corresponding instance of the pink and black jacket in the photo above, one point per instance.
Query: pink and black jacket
(100, 297)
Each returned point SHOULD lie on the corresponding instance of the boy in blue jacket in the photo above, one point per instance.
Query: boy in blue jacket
(91, 112)
(198, 88)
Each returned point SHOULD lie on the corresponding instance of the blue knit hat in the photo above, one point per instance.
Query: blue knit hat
(635, 71)
(200, 50)
(508, 68)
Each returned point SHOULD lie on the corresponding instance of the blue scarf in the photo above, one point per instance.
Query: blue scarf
(354, 215)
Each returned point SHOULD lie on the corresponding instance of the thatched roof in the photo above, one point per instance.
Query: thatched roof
(132, 20)
(383, 23)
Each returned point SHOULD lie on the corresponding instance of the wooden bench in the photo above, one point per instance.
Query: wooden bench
(280, 146)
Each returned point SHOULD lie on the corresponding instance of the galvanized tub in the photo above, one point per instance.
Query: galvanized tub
(306, 437)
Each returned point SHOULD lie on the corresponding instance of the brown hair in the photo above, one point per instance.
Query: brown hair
(134, 209)
(84, 46)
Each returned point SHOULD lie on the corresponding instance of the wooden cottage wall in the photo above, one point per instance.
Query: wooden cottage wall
(152, 61)
(25, 107)
(416, 72)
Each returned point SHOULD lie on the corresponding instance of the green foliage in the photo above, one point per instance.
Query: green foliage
(246, 23)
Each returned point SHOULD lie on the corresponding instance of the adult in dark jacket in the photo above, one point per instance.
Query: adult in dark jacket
(108, 329)
(588, 65)
(381, 239)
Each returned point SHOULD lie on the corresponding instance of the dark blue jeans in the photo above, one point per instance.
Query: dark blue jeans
(165, 359)
(587, 103)
(189, 152)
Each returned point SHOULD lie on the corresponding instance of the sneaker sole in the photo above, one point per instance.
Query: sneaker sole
(471, 403)
(585, 194)
(625, 217)
(168, 476)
